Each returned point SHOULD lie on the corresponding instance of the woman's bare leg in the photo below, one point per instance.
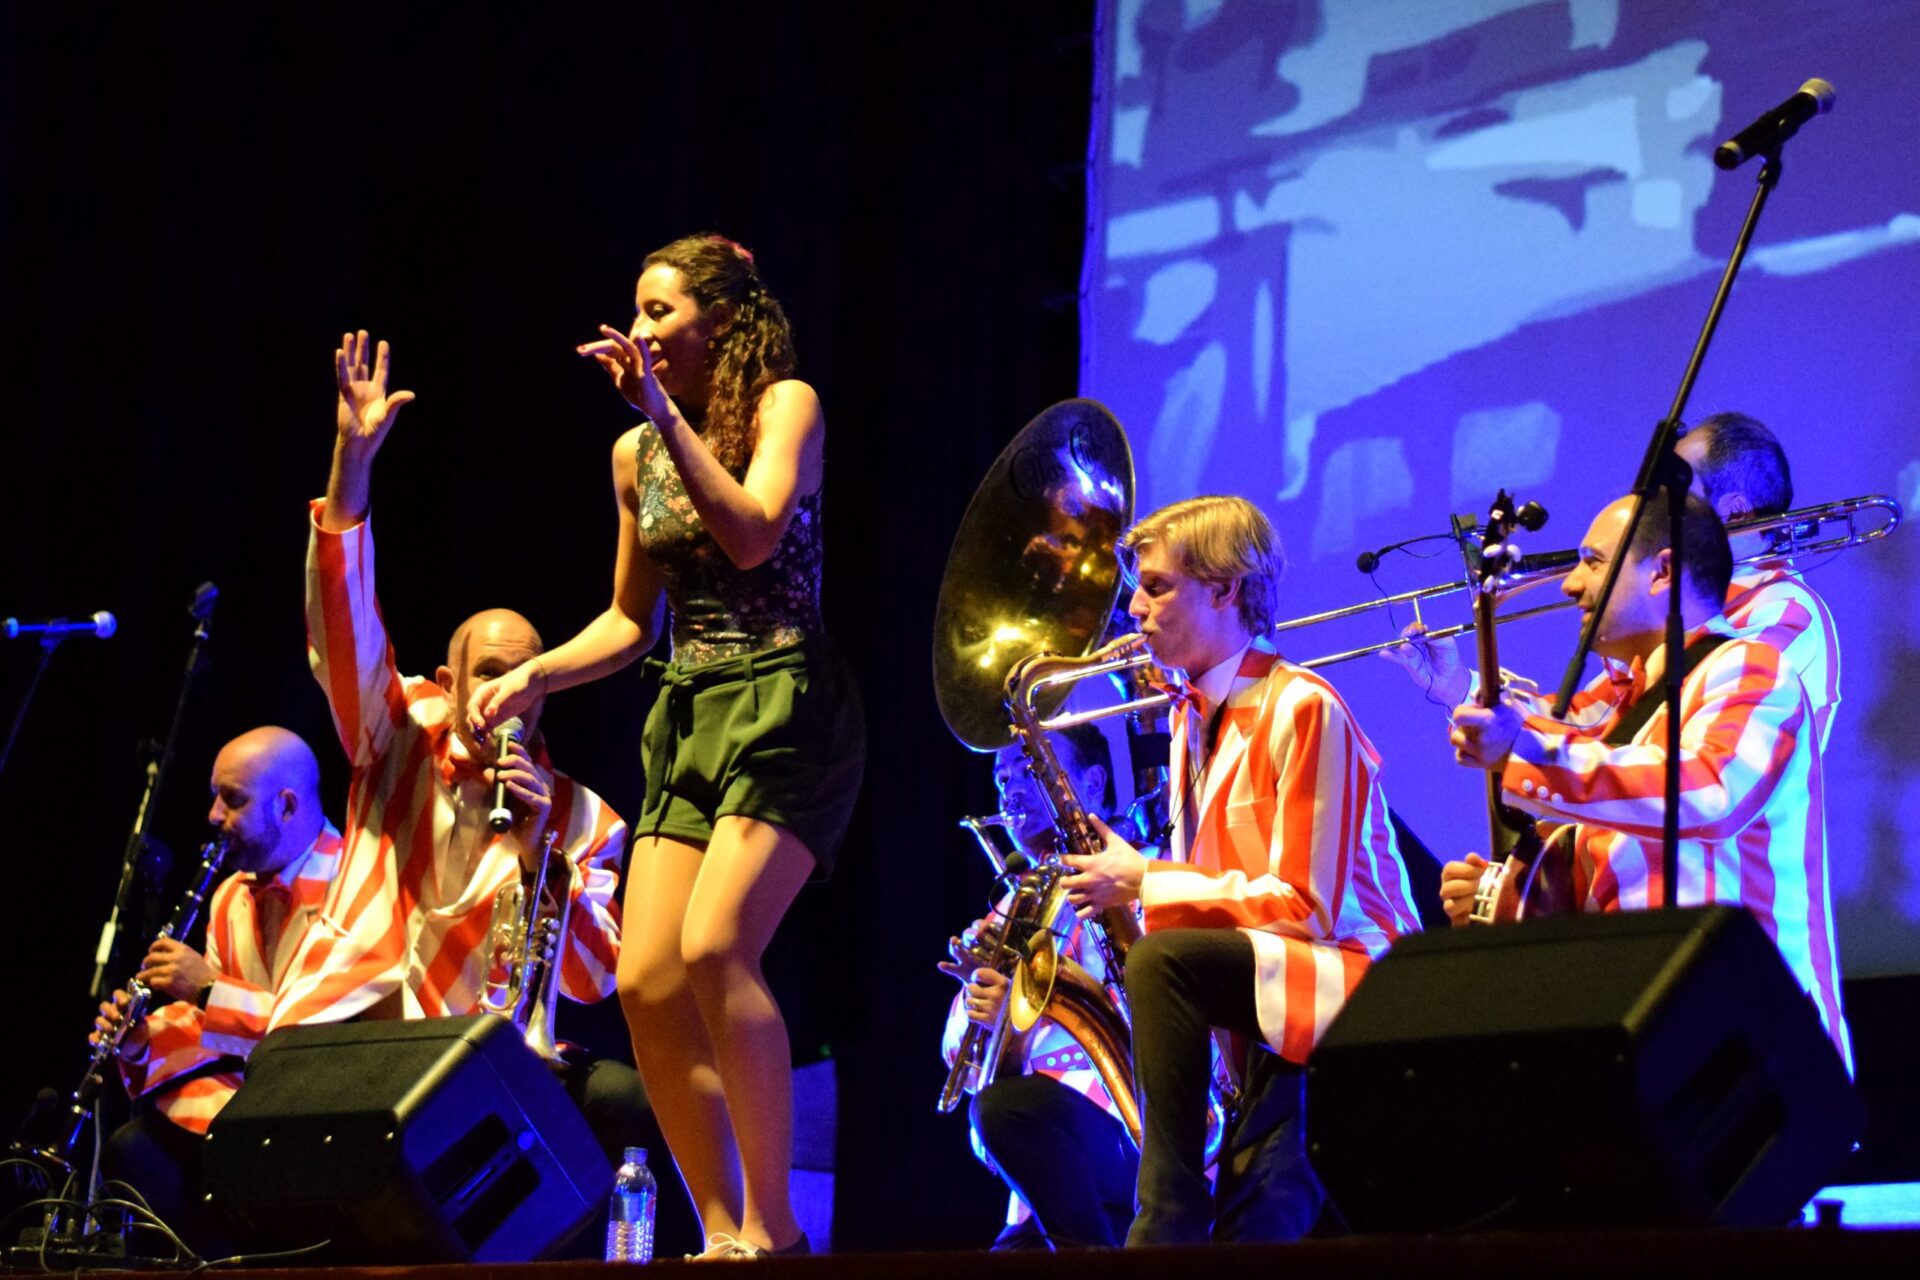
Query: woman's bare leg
(752, 872)
(670, 1042)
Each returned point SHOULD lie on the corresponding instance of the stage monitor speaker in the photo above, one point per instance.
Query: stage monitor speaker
(444, 1139)
(1635, 1069)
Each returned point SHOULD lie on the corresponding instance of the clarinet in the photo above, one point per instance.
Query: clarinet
(186, 914)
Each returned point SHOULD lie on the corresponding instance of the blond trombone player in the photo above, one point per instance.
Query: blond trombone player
(1285, 881)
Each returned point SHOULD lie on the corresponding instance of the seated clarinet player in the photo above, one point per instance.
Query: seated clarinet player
(422, 789)
(1285, 881)
(1751, 823)
(278, 951)
(1046, 1124)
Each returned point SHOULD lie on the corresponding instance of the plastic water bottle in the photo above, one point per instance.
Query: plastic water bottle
(630, 1210)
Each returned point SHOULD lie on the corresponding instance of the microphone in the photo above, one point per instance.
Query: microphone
(501, 817)
(1367, 561)
(102, 624)
(205, 596)
(1766, 134)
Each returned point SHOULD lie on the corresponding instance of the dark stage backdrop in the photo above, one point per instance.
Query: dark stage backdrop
(196, 200)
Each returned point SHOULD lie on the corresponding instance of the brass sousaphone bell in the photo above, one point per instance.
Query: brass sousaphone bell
(1033, 568)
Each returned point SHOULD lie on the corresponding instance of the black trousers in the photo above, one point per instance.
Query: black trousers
(1070, 1161)
(164, 1163)
(1181, 983)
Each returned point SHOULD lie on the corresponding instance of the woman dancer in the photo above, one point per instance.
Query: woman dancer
(753, 751)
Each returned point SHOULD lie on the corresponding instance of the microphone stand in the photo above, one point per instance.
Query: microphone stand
(1662, 470)
(139, 845)
(49, 641)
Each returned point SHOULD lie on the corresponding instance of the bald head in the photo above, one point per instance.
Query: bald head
(278, 756)
(266, 798)
(493, 627)
(1635, 621)
(489, 644)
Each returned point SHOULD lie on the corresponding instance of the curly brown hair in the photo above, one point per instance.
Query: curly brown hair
(752, 344)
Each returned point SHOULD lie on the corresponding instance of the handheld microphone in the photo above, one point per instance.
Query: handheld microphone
(510, 731)
(102, 624)
(1766, 134)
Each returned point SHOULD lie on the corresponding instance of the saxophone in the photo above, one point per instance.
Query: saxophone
(1058, 989)
(1114, 930)
(525, 938)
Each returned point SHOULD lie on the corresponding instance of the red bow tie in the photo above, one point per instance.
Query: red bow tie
(456, 764)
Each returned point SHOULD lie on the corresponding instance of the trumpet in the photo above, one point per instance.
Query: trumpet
(1037, 907)
(525, 935)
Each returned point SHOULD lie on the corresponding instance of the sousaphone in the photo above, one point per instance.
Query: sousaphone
(1033, 568)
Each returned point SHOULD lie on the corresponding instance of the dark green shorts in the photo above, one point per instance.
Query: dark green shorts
(777, 735)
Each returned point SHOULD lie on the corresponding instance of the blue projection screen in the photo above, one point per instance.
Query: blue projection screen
(1367, 261)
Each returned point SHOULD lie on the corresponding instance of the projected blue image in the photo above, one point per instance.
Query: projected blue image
(1367, 261)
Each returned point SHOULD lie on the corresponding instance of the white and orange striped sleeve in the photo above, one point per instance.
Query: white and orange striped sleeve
(1591, 711)
(238, 1012)
(595, 841)
(1785, 613)
(1281, 836)
(347, 644)
(1743, 711)
(173, 1048)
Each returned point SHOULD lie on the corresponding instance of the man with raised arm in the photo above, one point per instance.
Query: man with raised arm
(422, 786)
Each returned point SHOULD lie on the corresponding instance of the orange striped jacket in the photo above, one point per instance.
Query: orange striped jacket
(1752, 815)
(1771, 602)
(1292, 846)
(315, 971)
(419, 855)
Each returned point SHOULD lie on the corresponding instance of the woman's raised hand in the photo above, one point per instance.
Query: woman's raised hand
(630, 365)
(366, 409)
(500, 699)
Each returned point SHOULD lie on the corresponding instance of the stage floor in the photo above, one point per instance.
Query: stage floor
(1612, 1256)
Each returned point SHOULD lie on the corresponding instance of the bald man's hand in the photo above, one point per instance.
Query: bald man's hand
(112, 1013)
(364, 413)
(176, 968)
(532, 790)
(366, 410)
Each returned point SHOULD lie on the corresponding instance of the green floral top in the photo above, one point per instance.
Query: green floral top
(720, 611)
